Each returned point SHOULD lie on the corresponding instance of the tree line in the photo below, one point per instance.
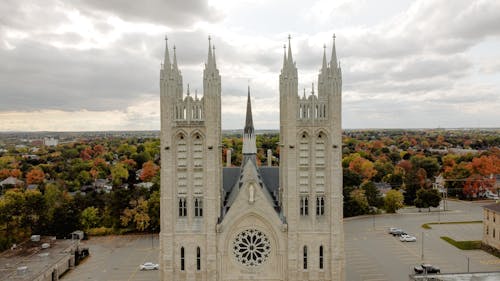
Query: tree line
(99, 185)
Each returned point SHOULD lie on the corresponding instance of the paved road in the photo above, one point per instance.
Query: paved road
(371, 253)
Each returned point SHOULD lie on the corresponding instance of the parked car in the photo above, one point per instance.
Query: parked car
(149, 266)
(392, 229)
(398, 232)
(407, 238)
(426, 268)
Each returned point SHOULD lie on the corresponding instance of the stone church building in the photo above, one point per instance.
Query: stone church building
(251, 222)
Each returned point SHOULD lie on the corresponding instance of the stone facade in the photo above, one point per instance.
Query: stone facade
(251, 222)
(491, 225)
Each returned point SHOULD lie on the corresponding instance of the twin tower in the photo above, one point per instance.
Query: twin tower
(251, 222)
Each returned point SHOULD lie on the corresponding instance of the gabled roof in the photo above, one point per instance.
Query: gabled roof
(11, 181)
(234, 178)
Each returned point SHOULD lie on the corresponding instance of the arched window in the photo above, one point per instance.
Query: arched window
(320, 206)
(182, 207)
(183, 265)
(198, 207)
(320, 257)
(198, 258)
(304, 205)
(305, 257)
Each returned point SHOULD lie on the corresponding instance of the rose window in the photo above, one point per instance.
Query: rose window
(251, 247)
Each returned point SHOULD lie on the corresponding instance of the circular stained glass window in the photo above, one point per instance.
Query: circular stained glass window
(251, 247)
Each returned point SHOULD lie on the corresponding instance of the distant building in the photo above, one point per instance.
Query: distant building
(11, 181)
(491, 225)
(50, 141)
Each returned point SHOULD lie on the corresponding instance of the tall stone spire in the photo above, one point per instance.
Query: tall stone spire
(324, 66)
(166, 63)
(333, 60)
(210, 59)
(215, 61)
(284, 56)
(249, 120)
(290, 58)
(175, 61)
(249, 144)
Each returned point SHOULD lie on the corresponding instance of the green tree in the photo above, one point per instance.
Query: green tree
(119, 173)
(372, 194)
(357, 203)
(89, 217)
(154, 210)
(393, 201)
(427, 198)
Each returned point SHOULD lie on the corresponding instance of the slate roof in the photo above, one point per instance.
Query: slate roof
(231, 182)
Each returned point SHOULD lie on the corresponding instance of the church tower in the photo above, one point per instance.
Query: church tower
(311, 172)
(191, 169)
(251, 222)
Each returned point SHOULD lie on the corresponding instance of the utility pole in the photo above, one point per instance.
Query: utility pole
(422, 258)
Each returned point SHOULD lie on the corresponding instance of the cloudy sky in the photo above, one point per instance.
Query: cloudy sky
(94, 65)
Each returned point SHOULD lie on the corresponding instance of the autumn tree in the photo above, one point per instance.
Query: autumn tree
(35, 176)
(363, 167)
(136, 215)
(149, 170)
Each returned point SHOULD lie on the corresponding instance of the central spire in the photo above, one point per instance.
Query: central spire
(249, 144)
(249, 120)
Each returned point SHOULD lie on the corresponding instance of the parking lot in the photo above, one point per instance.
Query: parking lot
(117, 258)
(374, 255)
(371, 253)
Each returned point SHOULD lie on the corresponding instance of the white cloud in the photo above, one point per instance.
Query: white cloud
(101, 59)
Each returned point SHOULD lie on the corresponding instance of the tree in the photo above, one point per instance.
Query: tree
(372, 194)
(350, 178)
(119, 173)
(393, 201)
(35, 176)
(363, 167)
(138, 215)
(154, 210)
(89, 217)
(427, 198)
(356, 204)
(149, 170)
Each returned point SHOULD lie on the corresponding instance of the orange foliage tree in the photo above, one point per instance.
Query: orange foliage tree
(481, 168)
(35, 176)
(149, 171)
(363, 167)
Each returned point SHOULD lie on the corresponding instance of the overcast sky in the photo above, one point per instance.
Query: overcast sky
(94, 65)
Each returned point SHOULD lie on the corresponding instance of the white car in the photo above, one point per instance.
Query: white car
(407, 238)
(149, 266)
